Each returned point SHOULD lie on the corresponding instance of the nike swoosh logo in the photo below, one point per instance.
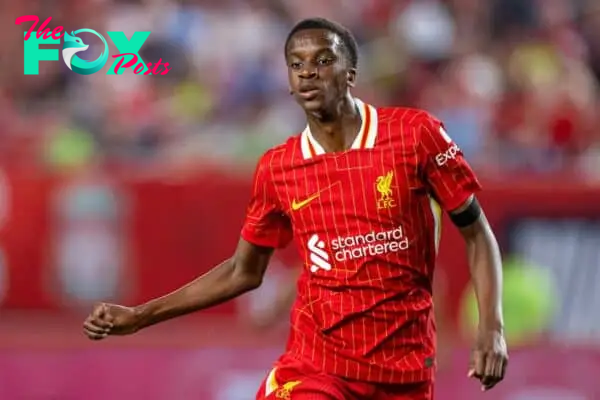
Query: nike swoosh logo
(296, 205)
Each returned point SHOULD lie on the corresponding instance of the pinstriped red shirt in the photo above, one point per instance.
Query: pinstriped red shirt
(367, 223)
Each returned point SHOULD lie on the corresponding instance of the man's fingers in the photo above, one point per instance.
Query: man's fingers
(101, 317)
(96, 326)
(94, 331)
(489, 385)
(101, 322)
(490, 362)
(478, 368)
(95, 336)
(499, 367)
(503, 366)
(488, 382)
(92, 327)
(494, 371)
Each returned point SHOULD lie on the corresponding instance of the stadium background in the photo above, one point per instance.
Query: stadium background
(124, 187)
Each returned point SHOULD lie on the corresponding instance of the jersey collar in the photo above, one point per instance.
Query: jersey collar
(364, 140)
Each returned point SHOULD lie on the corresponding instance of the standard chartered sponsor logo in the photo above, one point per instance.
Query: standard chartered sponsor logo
(371, 244)
(345, 248)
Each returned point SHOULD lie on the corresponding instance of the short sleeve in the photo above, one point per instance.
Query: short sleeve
(447, 174)
(265, 224)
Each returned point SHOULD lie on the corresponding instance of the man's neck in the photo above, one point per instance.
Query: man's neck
(336, 130)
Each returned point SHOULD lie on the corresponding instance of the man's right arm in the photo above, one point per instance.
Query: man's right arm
(235, 276)
(266, 228)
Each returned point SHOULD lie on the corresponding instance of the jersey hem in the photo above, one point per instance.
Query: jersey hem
(387, 376)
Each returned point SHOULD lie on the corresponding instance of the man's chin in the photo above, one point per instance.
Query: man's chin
(312, 105)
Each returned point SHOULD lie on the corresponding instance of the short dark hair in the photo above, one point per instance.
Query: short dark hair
(348, 41)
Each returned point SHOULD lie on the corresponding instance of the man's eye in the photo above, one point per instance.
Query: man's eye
(295, 65)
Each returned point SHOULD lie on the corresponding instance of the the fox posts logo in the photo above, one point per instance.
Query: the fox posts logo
(128, 56)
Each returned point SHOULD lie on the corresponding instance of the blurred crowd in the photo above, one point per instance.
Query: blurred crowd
(515, 81)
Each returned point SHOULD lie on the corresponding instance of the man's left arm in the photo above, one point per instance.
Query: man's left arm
(452, 182)
(489, 359)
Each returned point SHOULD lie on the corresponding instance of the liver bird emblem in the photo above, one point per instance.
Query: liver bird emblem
(285, 391)
(384, 187)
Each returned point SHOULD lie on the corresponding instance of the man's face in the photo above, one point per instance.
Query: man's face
(318, 69)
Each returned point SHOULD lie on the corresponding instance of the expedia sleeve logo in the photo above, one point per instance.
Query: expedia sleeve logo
(450, 154)
(442, 158)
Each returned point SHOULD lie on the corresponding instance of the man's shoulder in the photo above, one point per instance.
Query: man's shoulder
(402, 127)
(281, 152)
(404, 115)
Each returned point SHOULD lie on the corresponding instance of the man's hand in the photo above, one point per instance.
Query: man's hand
(111, 319)
(489, 359)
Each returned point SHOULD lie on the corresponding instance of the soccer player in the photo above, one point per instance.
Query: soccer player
(358, 191)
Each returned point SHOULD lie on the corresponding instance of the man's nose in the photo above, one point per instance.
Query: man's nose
(308, 72)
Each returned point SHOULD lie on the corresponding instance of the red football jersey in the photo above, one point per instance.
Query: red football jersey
(367, 223)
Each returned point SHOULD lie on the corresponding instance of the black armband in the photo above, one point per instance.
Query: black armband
(467, 216)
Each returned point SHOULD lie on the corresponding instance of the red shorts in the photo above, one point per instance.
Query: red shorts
(294, 380)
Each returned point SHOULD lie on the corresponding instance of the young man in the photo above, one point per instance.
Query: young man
(358, 191)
